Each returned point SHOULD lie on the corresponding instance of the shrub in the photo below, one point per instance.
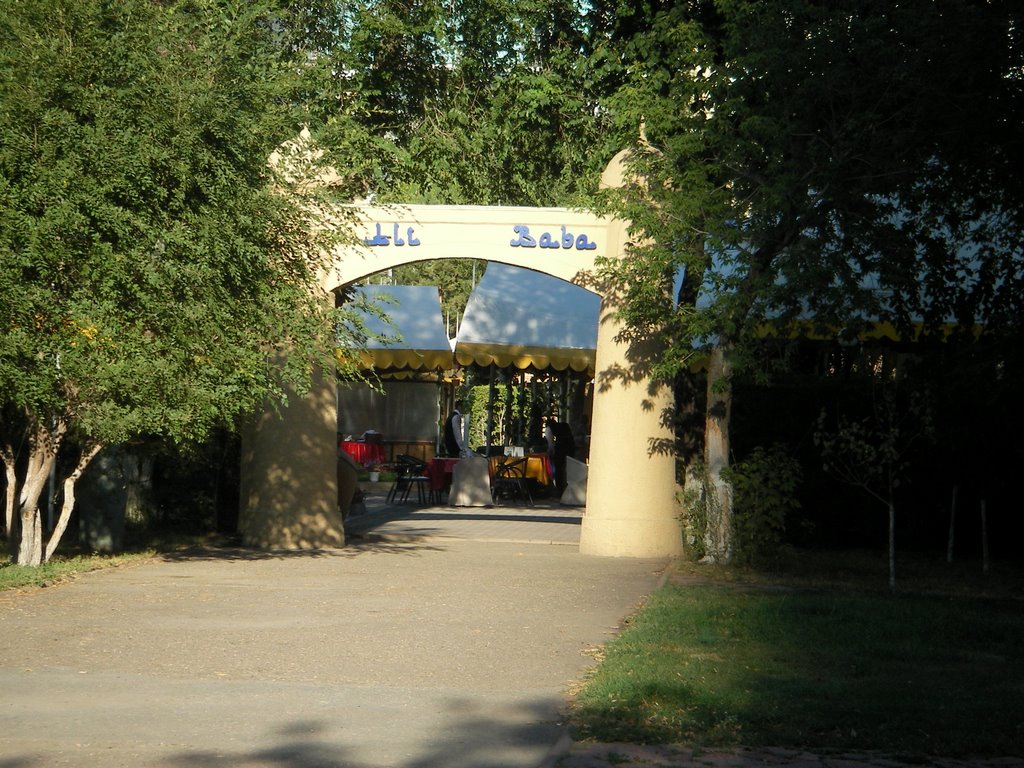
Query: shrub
(764, 493)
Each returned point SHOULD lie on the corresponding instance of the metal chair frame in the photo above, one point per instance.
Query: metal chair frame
(410, 472)
(510, 480)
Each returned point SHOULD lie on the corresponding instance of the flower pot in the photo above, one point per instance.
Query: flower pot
(374, 476)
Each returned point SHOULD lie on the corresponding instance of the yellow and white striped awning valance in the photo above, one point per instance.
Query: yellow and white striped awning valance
(523, 357)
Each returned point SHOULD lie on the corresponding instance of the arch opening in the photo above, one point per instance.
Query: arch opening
(631, 508)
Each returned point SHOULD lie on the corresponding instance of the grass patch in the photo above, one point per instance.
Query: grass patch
(62, 568)
(826, 670)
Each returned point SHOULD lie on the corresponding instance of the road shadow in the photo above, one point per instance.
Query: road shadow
(356, 545)
(465, 739)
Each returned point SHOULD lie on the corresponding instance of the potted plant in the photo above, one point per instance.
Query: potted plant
(374, 469)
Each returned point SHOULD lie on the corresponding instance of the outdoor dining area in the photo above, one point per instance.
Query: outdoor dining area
(520, 372)
(471, 480)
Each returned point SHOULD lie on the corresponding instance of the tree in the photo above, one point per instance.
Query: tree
(872, 452)
(152, 263)
(478, 102)
(816, 169)
(473, 102)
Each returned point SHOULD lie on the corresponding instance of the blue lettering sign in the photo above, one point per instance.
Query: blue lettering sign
(566, 238)
(395, 238)
(547, 240)
(379, 239)
(583, 244)
(525, 240)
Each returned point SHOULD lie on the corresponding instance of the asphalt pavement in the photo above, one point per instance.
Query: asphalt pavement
(437, 637)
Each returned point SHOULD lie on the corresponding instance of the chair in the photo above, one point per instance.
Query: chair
(410, 472)
(510, 480)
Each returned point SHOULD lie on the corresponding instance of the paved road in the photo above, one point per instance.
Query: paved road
(408, 649)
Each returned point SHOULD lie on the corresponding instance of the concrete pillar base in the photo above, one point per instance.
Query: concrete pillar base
(630, 537)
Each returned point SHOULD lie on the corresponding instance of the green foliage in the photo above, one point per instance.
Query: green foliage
(147, 262)
(796, 158)
(480, 102)
(764, 494)
(507, 414)
(695, 512)
(873, 451)
(152, 262)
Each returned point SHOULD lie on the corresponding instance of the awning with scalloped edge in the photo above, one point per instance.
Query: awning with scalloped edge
(414, 338)
(521, 318)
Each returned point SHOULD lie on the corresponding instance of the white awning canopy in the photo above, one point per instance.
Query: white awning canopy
(416, 338)
(518, 317)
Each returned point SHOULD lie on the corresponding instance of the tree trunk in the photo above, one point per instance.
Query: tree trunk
(716, 456)
(68, 503)
(138, 477)
(10, 493)
(43, 444)
(952, 526)
(694, 499)
(30, 551)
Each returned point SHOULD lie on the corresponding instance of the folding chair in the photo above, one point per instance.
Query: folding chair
(510, 480)
(410, 473)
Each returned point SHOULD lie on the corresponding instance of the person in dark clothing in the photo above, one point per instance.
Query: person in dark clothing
(564, 446)
(454, 440)
(535, 437)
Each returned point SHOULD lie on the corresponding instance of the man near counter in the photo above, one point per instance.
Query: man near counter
(454, 438)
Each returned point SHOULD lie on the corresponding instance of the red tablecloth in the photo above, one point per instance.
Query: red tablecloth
(364, 453)
(440, 473)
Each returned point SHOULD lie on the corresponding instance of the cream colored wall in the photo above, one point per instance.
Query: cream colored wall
(631, 505)
(470, 232)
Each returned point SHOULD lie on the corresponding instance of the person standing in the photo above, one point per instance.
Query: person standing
(565, 446)
(454, 439)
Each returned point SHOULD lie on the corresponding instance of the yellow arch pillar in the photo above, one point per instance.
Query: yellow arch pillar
(631, 510)
(289, 485)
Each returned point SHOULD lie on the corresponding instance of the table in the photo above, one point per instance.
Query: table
(366, 454)
(471, 487)
(440, 472)
(575, 493)
(538, 467)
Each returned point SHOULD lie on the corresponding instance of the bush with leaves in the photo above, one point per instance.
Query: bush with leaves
(764, 488)
(694, 518)
(506, 414)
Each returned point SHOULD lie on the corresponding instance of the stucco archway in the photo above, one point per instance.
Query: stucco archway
(288, 490)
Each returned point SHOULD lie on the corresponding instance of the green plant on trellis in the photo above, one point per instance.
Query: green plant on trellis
(507, 414)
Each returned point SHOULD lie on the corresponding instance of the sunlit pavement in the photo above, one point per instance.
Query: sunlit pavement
(444, 646)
